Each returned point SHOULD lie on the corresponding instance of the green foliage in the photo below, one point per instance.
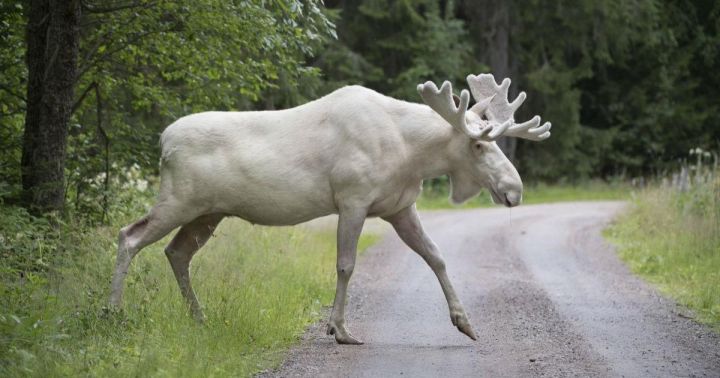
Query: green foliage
(153, 63)
(208, 55)
(13, 75)
(391, 46)
(671, 238)
(261, 287)
(576, 40)
(157, 63)
(629, 86)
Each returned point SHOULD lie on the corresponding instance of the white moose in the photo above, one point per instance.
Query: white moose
(354, 152)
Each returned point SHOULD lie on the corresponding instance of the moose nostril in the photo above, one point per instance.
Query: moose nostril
(512, 199)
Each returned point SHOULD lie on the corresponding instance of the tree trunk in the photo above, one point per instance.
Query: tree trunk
(53, 38)
(490, 22)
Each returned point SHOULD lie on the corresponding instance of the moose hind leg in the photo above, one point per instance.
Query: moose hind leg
(181, 250)
(162, 219)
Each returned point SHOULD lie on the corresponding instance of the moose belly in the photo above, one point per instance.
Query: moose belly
(275, 207)
(281, 216)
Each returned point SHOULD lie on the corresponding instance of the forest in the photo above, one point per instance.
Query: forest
(631, 87)
(86, 87)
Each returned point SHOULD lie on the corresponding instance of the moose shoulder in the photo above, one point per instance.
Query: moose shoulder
(354, 152)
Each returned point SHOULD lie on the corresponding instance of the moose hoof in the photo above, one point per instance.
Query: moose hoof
(463, 325)
(342, 336)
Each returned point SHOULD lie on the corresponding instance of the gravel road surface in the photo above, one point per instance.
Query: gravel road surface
(546, 294)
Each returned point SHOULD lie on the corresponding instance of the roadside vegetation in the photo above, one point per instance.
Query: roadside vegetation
(671, 237)
(260, 287)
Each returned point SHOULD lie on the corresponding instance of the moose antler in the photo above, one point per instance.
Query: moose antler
(442, 102)
(500, 111)
(491, 103)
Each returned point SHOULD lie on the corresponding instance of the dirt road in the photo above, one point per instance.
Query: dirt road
(546, 294)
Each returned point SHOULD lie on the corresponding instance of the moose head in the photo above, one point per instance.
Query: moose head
(489, 119)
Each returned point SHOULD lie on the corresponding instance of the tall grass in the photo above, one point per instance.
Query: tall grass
(671, 237)
(260, 287)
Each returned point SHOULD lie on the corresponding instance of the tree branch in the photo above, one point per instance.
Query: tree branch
(79, 101)
(106, 142)
(87, 61)
(86, 6)
(91, 51)
(108, 54)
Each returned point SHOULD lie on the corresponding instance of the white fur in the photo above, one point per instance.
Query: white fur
(354, 147)
(353, 152)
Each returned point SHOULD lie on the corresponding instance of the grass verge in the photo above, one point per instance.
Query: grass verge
(260, 287)
(672, 239)
(437, 198)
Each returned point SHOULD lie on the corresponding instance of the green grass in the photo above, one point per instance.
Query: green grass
(533, 194)
(260, 287)
(672, 239)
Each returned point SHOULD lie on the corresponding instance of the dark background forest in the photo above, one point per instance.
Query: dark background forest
(86, 87)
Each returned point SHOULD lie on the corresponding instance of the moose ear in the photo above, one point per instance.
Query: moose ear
(456, 100)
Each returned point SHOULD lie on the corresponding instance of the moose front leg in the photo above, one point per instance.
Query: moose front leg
(408, 227)
(350, 224)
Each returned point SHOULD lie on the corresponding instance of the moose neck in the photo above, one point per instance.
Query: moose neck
(437, 149)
